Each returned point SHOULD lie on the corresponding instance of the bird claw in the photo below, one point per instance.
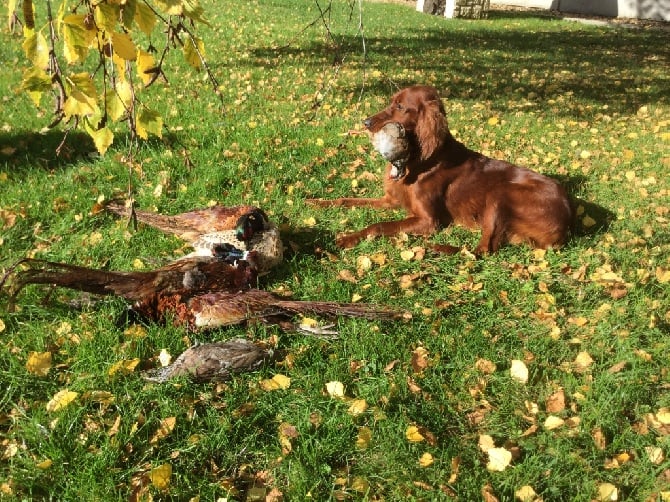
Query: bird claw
(320, 331)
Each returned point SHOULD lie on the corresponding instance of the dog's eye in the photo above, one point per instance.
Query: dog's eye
(399, 107)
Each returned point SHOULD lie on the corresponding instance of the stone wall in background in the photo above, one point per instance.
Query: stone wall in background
(469, 9)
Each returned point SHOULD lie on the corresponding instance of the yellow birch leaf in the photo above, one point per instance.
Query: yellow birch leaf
(363, 263)
(106, 16)
(583, 361)
(662, 275)
(363, 438)
(147, 122)
(193, 48)
(145, 65)
(2, 325)
(654, 454)
(588, 222)
(663, 416)
(35, 82)
(407, 255)
(499, 459)
(170, 7)
(275, 383)
(455, 466)
(61, 399)
(124, 47)
(165, 428)
(519, 371)
(102, 138)
(486, 442)
(419, 359)
(413, 435)
(607, 492)
(145, 18)
(36, 49)
(357, 407)
(160, 476)
(335, 389)
(485, 366)
(360, 484)
(124, 366)
(44, 464)
(426, 460)
(282, 381)
(39, 363)
(76, 38)
(493, 120)
(356, 298)
(525, 494)
(553, 422)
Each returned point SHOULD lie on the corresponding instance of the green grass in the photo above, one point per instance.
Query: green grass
(587, 105)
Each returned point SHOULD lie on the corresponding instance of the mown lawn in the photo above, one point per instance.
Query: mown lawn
(426, 398)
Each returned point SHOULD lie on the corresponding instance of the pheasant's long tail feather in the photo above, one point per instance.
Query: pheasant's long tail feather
(363, 310)
(70, 276)
(168, 224)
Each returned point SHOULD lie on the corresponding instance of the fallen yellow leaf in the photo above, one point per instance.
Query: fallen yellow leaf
(277, 382)
(61, 399)
(335, 389)
(486, 442)
(164, 429)
(583, 361)
(553, 422)
(358, 407)
(413, 435)
(124, 366)
(39, 363)
(525, 494)
(419, 359)
(607, 492)
(655, 454)
(426, 460)
(160, 476)
(499, 459)
(363, 438)
(519, 371)
(45, 464)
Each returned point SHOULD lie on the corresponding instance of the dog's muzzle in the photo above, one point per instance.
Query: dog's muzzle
(391, 142)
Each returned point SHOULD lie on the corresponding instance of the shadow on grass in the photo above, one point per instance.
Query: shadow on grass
(32, 149)
(503, 65)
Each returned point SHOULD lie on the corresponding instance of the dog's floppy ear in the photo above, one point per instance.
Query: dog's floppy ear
(431, 128)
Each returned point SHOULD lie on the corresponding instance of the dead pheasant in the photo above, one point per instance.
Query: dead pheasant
(185, 278)
(199, 293)
(214, 361)
(245, 227)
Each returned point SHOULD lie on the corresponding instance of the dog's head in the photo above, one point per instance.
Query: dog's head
(420, 112)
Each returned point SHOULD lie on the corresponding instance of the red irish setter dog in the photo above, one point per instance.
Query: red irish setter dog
(438, 181)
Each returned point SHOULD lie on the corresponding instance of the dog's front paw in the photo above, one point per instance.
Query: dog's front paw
(347, 241)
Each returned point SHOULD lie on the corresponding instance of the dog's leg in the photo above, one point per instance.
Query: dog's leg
(413, 225)
(494, 229)
(380, 203)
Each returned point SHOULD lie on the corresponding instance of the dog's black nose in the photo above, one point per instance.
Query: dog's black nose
(368, 122)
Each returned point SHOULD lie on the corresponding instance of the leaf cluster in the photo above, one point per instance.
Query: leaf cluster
(90, 56)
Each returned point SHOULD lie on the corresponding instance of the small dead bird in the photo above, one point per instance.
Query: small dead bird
(214, 362)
